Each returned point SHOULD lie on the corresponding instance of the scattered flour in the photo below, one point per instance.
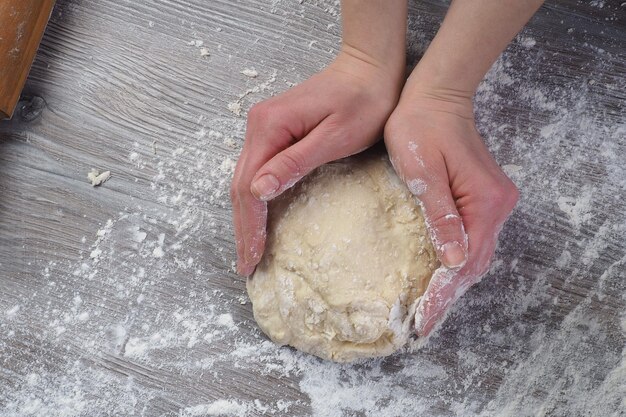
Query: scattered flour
(527, 42)
(229, 408)
(235, 106)
(10, 313)
(138, 235)
(578, 209)
(417, 186)
(550, 340)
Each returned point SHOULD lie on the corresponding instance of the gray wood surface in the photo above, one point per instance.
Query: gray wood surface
(146, 317)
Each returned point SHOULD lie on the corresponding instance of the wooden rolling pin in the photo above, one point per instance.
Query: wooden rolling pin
(22, 23)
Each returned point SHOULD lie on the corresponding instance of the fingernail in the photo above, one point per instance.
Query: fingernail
(245, 270)
(265, 186)
(453, 255)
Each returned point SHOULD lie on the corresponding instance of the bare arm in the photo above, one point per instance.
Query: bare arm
(472, 36)
(375, 31)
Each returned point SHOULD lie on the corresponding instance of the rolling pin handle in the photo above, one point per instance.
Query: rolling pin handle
(22, 24)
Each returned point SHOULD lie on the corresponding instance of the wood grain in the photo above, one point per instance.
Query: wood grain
(116, 86)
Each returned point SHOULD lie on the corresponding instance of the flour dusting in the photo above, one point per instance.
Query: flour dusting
(150, 313)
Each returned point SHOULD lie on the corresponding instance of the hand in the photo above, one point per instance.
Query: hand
(465, 197)
(336, 113)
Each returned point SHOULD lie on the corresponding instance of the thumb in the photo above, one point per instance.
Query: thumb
(289, 166)
(443, 222)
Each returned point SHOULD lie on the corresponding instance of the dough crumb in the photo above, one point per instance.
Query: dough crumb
(204, 52)
(235, 108)
(195, 42)
(96, 178)
(158, 252)
(250, 72)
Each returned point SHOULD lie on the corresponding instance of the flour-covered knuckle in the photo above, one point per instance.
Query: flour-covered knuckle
(347, 257)
(439, 295)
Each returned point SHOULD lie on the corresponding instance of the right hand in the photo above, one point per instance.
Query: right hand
(336, 113)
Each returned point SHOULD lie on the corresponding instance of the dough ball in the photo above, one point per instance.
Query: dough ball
(347, 257)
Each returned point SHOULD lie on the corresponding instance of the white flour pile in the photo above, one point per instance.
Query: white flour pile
(153, 313)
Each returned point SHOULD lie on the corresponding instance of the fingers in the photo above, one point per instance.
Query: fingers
(253, 218)
(272, 126)
(465, 199)
(435, 302)
(441, 215)
(238, 233)
(427, 179)
(484, 219)
(423, 169)
(446, 228)
(448, 285)
(484, 215)
(327, 142)
(262, 141)
(249, 219)
(324, 144)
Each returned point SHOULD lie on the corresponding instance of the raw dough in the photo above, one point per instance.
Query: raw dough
(347, 257)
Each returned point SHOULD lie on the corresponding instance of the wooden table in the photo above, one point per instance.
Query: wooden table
(121, 299)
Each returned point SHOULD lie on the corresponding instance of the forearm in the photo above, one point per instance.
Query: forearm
(472, 36)
(374, 31)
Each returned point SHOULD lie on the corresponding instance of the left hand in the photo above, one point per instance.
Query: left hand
(338, 112)
(465, 196)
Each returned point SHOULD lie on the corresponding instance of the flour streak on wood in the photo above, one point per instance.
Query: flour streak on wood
(121, 299)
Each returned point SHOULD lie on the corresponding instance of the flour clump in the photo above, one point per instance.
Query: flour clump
(347, 257)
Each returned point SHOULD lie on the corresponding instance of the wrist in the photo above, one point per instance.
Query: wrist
(424, 95)
(390, 72)
(374, 32)
(391, 63)
(386, 78)
(439, 75)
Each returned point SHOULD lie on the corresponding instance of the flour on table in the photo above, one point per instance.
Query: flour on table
(506, 349)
